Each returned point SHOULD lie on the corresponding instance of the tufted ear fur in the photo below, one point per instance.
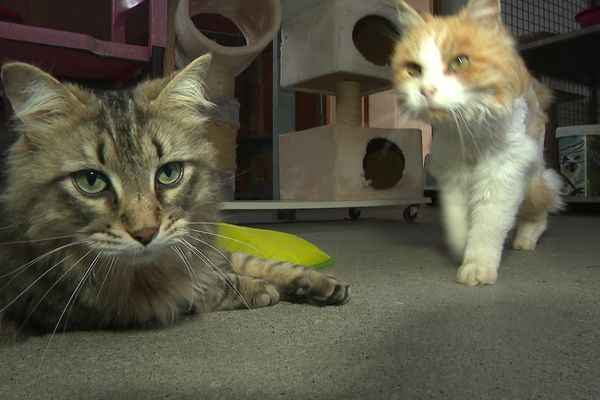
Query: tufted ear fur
(36, 97)
(484, 12)
(408, 17)
(185, 91)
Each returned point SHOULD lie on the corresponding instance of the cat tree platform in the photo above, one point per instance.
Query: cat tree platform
(334, 49)
(342, 166)
(340, 162)
(344, 51)
(332, 42)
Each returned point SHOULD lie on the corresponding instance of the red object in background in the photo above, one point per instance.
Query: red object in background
(9, 15)
(588, 17)
(80, 56)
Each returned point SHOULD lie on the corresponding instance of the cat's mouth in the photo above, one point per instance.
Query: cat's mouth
(129, 250)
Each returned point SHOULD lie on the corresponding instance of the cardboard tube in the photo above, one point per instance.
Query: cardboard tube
(223, 136)
(347, 103)
(257, 20)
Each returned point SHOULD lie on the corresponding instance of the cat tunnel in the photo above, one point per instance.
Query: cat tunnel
(334, 49)
(258, 21)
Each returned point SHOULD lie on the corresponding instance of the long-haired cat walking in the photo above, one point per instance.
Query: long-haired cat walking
(109, 212)
(463, 74)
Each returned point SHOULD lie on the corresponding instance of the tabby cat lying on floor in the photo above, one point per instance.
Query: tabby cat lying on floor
(109, 210)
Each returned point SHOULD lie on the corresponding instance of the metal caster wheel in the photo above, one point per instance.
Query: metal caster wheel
(354, 213)
(410, 213)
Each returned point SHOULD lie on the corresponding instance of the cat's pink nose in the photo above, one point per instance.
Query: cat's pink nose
(428, 91)
(145, 236)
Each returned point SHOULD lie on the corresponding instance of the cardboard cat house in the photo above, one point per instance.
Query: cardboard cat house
(340, 162)
(344, 51)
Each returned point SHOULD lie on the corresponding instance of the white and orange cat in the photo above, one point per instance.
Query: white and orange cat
(463, 74)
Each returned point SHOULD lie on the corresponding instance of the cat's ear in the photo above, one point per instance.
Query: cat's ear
(408, 17)
(484, 12)
(186, 89)
(35, 96)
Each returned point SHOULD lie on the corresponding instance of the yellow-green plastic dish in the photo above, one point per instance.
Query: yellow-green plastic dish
(272, 245)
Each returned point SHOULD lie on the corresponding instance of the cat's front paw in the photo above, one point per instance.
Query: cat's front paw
(476, 274)
(319, 289)
(264, 295)
(523, 244)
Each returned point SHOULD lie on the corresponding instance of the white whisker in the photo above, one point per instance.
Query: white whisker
(215, 269)
(32, 284)
(86, 273)
(91, 269)
(262, 253)
(35, 260)
(109, 269)
(54, 284)
(178, 251)
(37, 240)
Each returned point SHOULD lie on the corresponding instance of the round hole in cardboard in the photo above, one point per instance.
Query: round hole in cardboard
(219, 29)
(374, 37)
(383, 164)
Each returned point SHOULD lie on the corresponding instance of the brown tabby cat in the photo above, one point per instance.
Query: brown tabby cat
(109, 211)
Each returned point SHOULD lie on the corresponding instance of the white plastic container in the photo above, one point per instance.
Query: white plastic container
(579, 159)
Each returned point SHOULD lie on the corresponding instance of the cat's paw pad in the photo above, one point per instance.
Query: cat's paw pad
(264, 295)
(475, 274)
(523, 244)
(320, 289)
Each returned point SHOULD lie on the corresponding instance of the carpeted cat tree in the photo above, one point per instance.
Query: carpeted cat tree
(344, 51)
(259, 22)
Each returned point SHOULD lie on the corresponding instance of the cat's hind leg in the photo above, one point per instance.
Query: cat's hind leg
(295, 283)
(542, 196)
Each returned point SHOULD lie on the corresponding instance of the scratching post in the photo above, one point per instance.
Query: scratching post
(259, 22)
(347, 103)
(344, 51)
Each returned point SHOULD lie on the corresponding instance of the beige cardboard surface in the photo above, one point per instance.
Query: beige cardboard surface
(326, 163)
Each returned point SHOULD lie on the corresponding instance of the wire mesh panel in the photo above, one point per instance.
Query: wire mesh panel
(542, 17)
(531, 16)
(576, 111)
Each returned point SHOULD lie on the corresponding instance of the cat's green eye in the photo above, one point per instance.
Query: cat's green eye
(169, 174)
(459, 64)
(90, 181)
(413, 69)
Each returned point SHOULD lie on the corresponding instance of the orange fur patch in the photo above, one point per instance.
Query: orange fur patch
(495, 65)
(539, 199)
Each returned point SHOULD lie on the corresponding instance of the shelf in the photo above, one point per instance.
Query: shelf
(312, 205)
(581, 199)
(572, 56)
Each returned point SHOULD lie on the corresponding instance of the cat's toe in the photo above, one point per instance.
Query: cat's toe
(336, 293)
(523, 244)
(320, 289)
(268, 295)
(474, 274)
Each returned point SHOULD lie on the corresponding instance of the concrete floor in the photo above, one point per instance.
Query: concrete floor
(409, 331)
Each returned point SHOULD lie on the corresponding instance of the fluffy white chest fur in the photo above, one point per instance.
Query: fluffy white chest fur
(484, 171)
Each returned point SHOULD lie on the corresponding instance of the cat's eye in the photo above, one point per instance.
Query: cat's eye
(459, 64)
(413, 69)
(90, 181)
(169, 174)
